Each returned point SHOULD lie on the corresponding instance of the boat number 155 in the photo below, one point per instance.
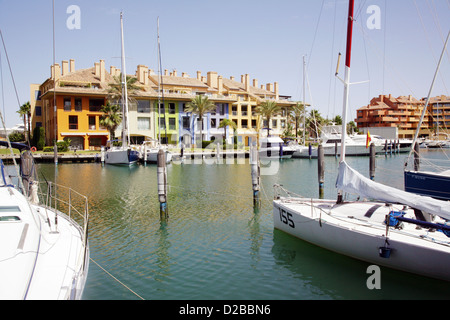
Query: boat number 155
(286, 218)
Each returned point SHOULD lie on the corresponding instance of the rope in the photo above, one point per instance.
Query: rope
(137, 295)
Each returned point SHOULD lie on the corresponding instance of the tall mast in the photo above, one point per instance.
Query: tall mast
(304, 99)
(125, 135)
(159, 83)
(346, 83)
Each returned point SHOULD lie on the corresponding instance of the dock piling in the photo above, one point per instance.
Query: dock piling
(255, 171)
(162, 184)
(372, 161)
(416, 157)
(321, 169)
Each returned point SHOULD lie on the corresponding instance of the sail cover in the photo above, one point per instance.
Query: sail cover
(353, 182)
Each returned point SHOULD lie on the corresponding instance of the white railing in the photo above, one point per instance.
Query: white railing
(64, 200)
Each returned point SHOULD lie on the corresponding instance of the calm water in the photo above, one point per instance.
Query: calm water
(214, 245)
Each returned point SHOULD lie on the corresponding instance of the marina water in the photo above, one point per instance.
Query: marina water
(214, 244)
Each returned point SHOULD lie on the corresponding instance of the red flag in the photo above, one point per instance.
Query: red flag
(368, 139)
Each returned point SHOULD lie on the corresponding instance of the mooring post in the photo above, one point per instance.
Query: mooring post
(102, 155)
(321, 169)
(255, 170)
(145, 154)
(336, 149)
(372, 161)
(310, 150)
(385, 147)
(416, 157)
(162, 184)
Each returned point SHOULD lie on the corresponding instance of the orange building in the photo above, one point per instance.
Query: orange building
(79, 97)
(386, 111)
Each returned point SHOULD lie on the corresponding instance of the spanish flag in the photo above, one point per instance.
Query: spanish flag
(368, 139)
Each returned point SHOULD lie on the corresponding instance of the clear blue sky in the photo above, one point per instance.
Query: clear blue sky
(266, 39)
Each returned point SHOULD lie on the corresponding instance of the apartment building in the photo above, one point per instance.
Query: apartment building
(386, 111)
(157, 109)
(439, 114)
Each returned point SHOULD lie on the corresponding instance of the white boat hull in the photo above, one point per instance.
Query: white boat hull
(152, 156)
(39, 259)
(121, 156)
(353, 235)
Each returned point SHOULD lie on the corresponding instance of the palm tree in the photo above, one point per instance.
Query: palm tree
(112, 118)
(297, 113)
(200, 105)
(115, 88)
(25, 113)
(267, 110)
(225, 123)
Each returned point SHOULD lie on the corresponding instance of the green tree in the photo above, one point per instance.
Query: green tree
(225, 123)
(200, 105)
(297, 113)
(313, 122)
(111, 118)
(115, 88)
(337, 120)
(39, 138)
(25, 113)
(352, 127)
(267, 110)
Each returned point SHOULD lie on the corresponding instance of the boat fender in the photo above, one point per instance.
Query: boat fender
(392, 221)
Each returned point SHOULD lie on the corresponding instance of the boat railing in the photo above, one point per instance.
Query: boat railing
(64, 200)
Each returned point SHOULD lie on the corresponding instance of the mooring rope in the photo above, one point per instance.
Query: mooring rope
(137, 295)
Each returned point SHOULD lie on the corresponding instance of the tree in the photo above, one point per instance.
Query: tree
(352, 127)
(225, 123)
(200, 105)
(314, 122)
(112, 118)
(267, 110)
(337, 120)
(115, 88)
(25, 113)
(297, 113)
(39, 138)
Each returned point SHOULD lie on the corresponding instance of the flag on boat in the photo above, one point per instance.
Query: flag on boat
(368, 139)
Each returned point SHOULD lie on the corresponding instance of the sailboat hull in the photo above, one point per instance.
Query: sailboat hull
(358, 231)
(121, 156)
(428, 184)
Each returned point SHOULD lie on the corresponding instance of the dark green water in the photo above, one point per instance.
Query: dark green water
(214, 245)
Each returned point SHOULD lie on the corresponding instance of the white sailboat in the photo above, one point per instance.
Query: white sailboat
(124, 154)
(395, 231)
(44, 252)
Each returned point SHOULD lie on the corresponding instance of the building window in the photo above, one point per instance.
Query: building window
(213, 122)
(234, 110)
(143, 106)
(283, 124)
(244, 123)
(73, 122)
(162, 123)
(253, 123)
(67, 105)
(38, 111)
(274, 123)
(92, 123)
(172, 124)
(37, 95)
(171, 108)
(96, 104)
(38, 124)
(78, 106)
(143, 123)
(244, 110)
(186, 123)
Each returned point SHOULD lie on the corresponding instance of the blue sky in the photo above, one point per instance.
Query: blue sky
(266, 39)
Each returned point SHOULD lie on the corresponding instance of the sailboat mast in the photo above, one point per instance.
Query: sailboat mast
(125, 135)
(428, 99)
(347, 77)
(304, 99)
(346, 83)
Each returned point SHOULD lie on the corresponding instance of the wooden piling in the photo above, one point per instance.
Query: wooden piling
(255, 171)
(372, 161)
(321, 169)
(416, 157)
(162, 184)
